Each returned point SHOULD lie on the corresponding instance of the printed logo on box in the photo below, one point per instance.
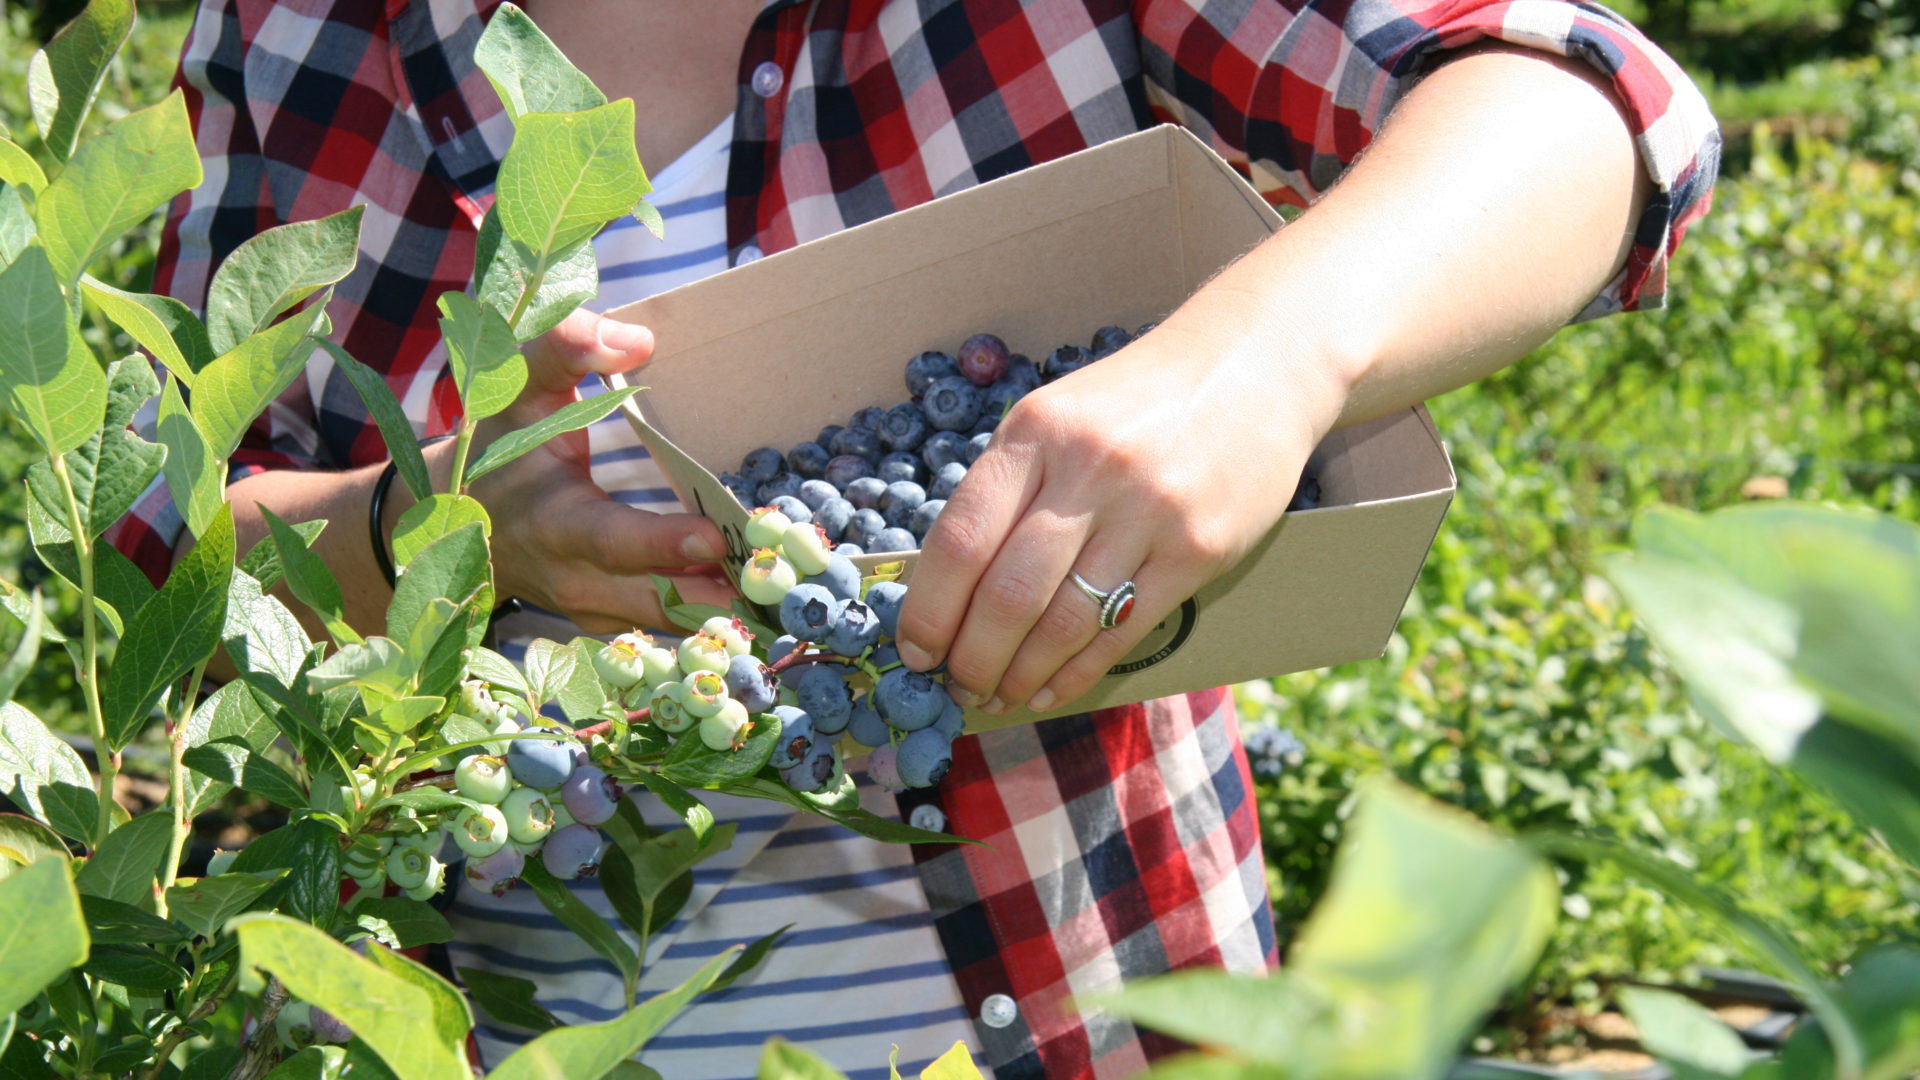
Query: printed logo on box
(1162, 641)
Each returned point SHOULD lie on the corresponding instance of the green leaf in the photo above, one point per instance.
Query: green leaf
(309, 852)
(17, 167)
(135, 967)
(113, 466)
(584, 1050)
(16, 224)
(21, 606)
(231, 761)
(161, 325)
(42, 931)
(309, 578)
(452, 1019)
(24, 841)
(1872, 776)
(648, 215)
(312, 1063)
(1696, 1043)
(426, 800)
(487, 366)
(239, 385)
(748, 959)
(403, 446)
(692, 763)
(582, 920)
(781, 1060)
(124, 865)
(173, 632)
(262, 562)
(64, 77)
(955, 1064)
(699, 819)
(619, 881)
(389, 1013)
(110, 922)
(119, 587)
(377, 663)
(114, 182)
(260, 634)
(568, 174)
(1273, 1018)
(528, 71)
(42, 773)
(450, 568)
(658, 860)
(276, 269)
(414, 922)
(562, 420)
(432, 518)
(549, 665)
(505, 269)
(52, 382)
(507, 1000)
(20, 661)
(196, 478)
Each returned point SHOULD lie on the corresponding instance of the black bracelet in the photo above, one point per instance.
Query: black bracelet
(381, 555)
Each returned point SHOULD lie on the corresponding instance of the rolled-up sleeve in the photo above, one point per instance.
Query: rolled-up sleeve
(1294, 91)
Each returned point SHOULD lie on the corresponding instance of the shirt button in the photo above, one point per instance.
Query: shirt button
(998, 1011)
(929, 817)
(749, 253)
(767, 79)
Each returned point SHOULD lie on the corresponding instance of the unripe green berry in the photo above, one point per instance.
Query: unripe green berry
(294, 1025)
(411, 868)
(766, 526)
(659, 665)
(767, 577)
(477, 701)
(480, 830)
(705, 692)
(618, 662)
(704, 652)
(528, 814)
(728, 728)
(806, 547)
(483, 778)
(668, 710)
(730, 629)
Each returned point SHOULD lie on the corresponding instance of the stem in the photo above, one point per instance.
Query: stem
(601, 728)
(177, 786)
(260, 1048)
(526, 294)
(462, 444)
(207, 1007)
(107, 759)
(796, 658)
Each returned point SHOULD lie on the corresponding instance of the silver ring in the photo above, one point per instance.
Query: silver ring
(1115, 606)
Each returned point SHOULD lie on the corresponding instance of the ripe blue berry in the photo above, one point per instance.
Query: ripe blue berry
(823, 694)
(883, 767)
(952, 403)
(808, 460)
(854, 630)
(907, 700)
(540, 763)
(1064, 361)
(482, 778)
(480, 830)
(825, 438)
(572, 853)
(1025, 374)
(900, 467)
(866, 492)
(815, 493)
(1306, 496)
(924, 516)
(986, 425)
(893, 538)
(841, 577)
(904, 428)
(926, 367)
(784, 484)
(941, 449)
(885, 598)
(865, 527)
(925, 757)
(796, 737)
(497, 872)
(807, 612)
(868, 419)
(953, 719)
(849, 549)
(845, 469)
(948, 479)
(762, 465)
(529, 816)
(781, 646)
(866, 727)
(1271, 751)
(903, 497)
(885, 656)
(995, 400)
(821, 768)
(1109, 339)
(791, 506)
(982, 359)
(751, 684)
(977, 446)
(742, 488)
(590, 795)
(858, 442)
(833, 517)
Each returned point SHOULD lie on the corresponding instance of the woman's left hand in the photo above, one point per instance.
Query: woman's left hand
(1162, 464)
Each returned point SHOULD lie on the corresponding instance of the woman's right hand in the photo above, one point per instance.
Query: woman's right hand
(559, 541)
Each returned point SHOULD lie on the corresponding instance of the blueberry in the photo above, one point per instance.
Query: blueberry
(781, 646)
(900, 466)
(924, 516)
(808, 460)
(825, 438)
(572, 853)
(952, 403)
(1023, 372)
(1065, 360)
(821, 768)
(497, 872)
(750, 683)
(728, 728)
(784, 484)
(790, 505)
(482, 778)
(540, 763)
(885, 656)
(883, 768)
(982, 359)
(924, 758)
(866, 526)
(905, 428)
(832, 517)
(866, 727)
(901, 499)
(977, 446)
(942, 448)
(995, 400)
(928, 366)
(796, 737)
(1109, 339)
(815, 493)
(858, 441)
(850, 550)
(742, 488)
(1307, 495)
(949, 478)
(1271, 750)
(866, 492)
(592, 796)
(328, 1028)
(869, 419)
(823, 693)
(762, 465)
(855, 630)
(766, 527)
(480, 830)
(1144, 327)
(908, 700)
(986, 424)
(841, 577)
(885, 598)
(529, 816)
(806, 612)
(952, 718)
(894, 539)
(847, 470)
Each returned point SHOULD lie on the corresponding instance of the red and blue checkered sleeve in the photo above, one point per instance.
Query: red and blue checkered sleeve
(1294, 91)
(203, 227)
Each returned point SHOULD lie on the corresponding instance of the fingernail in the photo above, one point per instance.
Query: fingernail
(1041, 701)
(698, 548)
(620, 336)
(916, 658)
(994, 707)
(967, 698)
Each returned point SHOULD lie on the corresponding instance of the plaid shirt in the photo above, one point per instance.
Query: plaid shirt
(1125, 842)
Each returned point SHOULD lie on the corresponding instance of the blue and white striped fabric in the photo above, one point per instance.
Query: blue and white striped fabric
(862, 967)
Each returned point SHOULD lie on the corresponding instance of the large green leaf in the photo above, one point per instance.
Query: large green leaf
(452, 1017)
(277, 269)
(24, 841)
(238, 386)
(230, 713)
(591, 1050)
(19, 662)
(1878, 999)
(507, 1000)
(261, 634)
(567, 174)
(450, 568)
(63, 78)
(528, 71)
(52, 383)
(196, 477)
(487, 366)
(388, 1012)
(1692, 1041)
(110, 470)
(309, 852)
(377, 663)
(435, 517)
(162, 325)
(124, 865)
(413, 922)
(173, 632)
(114, 182)
(119, 587)
(505, 269)
(17, 167)
(309, 577)
(692, 763)
(567, 418)
(16, 224)
(42, 773)
(114, 923)
(395, 429)
(42, 931)
(262, 562)
(234, 763)
(781, 1060)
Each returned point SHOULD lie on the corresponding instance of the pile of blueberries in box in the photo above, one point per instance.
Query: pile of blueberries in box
(878, 483)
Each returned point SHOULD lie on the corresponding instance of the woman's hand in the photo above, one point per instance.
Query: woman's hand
(559, 541)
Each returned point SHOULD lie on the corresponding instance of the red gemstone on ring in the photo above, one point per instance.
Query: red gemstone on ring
(1126, 609)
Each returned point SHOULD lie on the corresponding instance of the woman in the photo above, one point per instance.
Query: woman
(1510, 189)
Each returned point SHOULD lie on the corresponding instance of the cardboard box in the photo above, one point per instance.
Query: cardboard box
(1121, 233)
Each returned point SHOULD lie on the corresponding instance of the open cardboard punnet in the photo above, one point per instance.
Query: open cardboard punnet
(1121, 234)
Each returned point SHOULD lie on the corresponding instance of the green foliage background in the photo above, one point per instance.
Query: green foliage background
(1517, 686)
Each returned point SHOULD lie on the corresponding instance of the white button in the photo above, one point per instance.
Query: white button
(929, 817)
(750, 253)
(767, 78)
(998, 1011)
